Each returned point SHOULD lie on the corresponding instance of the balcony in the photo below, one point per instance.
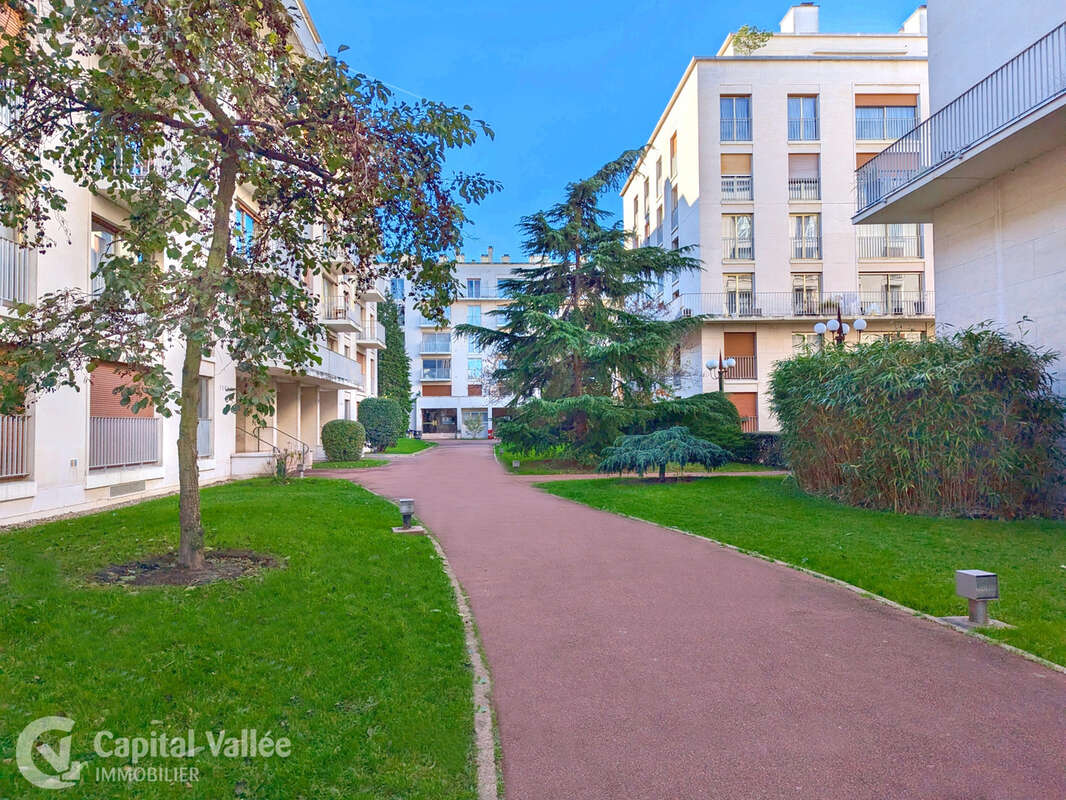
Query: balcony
(436, 345)
(336, 369)
(736, 129)
(14, 447)
(116, 442)
(802, 130)
(436, 373)
(1009, 117)
(734, 249)
(341, 318)
(806, 248)
(804, 305)
(373, 337)
(736, 187)
(877, 247)
(804, 189)
(14, 272)
(749, 424)
(744, 370)
(882, 130)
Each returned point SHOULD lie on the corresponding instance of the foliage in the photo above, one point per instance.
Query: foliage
(639, 452)
(343, 440)
(384, 421)
(748, 39)
(286, 463)
(394, 365)
(962, 425)
(475, 427)
(764, 448)
(167, 107)
(710, 416)
(381, 646)
(907, 559)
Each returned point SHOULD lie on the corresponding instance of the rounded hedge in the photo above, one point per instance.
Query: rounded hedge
(343, 440)
(384, 421)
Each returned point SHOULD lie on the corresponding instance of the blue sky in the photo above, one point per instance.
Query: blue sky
(565, 85)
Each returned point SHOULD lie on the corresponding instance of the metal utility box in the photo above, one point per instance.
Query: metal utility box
(976, 584)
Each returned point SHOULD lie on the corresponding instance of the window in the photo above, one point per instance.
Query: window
(806, 292)
(737, 237)
(739, 293)
(675, 245)
(474, 369)
(736, 176)
(103, 245)
(472, 346)
(803, 341)
(804, 182)
(436, 369)
(735, 118)
(884, 117)
(659, 176)
(806, 232)
(674, 203)
(436, 342)
(673, 155)
(802, 118)
(473, 287)
(647, 192)
(473, 315)
(659, 219)
(636, 221)
(895, 240)
(891, 293)
(396, 289)
(245, 230)
(205, 441)
(660, 284)
(347, 408)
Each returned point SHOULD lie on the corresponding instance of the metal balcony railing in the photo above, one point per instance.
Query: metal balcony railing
(870, 247)
(800, 304)
(749, 424)
(736, 129)
(804, 189)
(436, 373)
(884, 129)
(336, 367)
(736, 187)
(339, 311)
(802, 130)
(14, 447)
(806, 247)
(436, 344)
(734, 249)
(1033, 78)
(745, 369)
(14, 271)
(123, 441)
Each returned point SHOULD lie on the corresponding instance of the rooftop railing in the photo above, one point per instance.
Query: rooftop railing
(1033, 78)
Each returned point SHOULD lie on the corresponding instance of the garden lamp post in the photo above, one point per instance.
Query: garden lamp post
(718, 367)
(838, 327)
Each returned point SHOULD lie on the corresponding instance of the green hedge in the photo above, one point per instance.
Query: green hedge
(965, 425)
(763, 448)
(343, 440)
(384, 419)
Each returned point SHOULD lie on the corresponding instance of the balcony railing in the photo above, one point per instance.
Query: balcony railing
(890, 247)
(736, 130)
(14, 271)
(14, 447)
(804, 189)
(336, 368)
(436, 373)
(884, 129)
(436, 344)
(736, 187)
(802, 130)
(333, 311)
(749, 424)
(1033, 78)
(745, 369)
(793, 305)
(806, 247)
(734, 249)
(123, 441)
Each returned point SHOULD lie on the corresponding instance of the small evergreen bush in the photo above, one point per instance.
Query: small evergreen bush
(641, 452)
(343, 440)
(384, 421)
(963, 425)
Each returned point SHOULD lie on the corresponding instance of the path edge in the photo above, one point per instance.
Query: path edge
(866, 593)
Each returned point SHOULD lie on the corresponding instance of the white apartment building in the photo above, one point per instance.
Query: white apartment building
(75, 450)
(988, 168)
(449, 373)
(752, 166)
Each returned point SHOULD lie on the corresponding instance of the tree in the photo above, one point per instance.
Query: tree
(171, 108)
(748, 39)
(394, 365)
(383, 420)
(636, 453)
(577, 323)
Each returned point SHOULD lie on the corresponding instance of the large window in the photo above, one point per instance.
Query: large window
(737, 237)
(735, 118)
(884, 123)
(473, 315)
(474, 369)
(806, 292)
(739, 293)
(894, 240)
(802, 118)
(102, 247)
(891, 293)
(436, 369)
(473, 287)
(245, 230)
(804, 341)
(806, 233)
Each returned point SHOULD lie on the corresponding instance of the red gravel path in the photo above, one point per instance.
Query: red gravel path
(633, 662)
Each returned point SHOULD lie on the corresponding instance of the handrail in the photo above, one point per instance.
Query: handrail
(304, 448)
(1033, 78)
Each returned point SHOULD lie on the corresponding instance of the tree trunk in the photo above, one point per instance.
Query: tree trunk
(191, 538)
(662, 473)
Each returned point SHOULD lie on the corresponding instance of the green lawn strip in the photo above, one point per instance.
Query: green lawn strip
(408, 446)
(363, 463)
(908, 559)
(563, 466)
(354, 651)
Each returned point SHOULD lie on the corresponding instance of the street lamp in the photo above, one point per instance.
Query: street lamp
(720, 365)
(838, 327)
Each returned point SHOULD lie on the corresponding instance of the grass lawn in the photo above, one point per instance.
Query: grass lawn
(407, 446)
(363, 463)
(354, 652)
(562, 466)
(908, 559)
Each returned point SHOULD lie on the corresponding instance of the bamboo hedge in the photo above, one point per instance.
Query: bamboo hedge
(963, 425)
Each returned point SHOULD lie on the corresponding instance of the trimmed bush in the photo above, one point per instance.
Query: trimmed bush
(965, 425)
(384, 421)
(343, 440)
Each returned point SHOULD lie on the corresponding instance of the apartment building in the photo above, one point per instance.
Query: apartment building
(74, 450)
(988, 168)
(449, 373)
(752, 166)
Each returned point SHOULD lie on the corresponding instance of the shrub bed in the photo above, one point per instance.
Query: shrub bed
(384, 420)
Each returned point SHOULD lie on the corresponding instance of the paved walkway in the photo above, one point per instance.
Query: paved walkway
(632, 662)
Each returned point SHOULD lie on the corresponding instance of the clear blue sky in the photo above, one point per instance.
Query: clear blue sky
(566, 85)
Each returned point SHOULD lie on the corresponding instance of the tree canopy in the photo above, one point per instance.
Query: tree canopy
(641, 452)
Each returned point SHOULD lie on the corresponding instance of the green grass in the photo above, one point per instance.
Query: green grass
(407, 446)
(905, 558)
(354, 651)
(564, 466)
(363, 463)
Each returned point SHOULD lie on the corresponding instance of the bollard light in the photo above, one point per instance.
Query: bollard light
(407, 510)
(516, 464)
(978, 587)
